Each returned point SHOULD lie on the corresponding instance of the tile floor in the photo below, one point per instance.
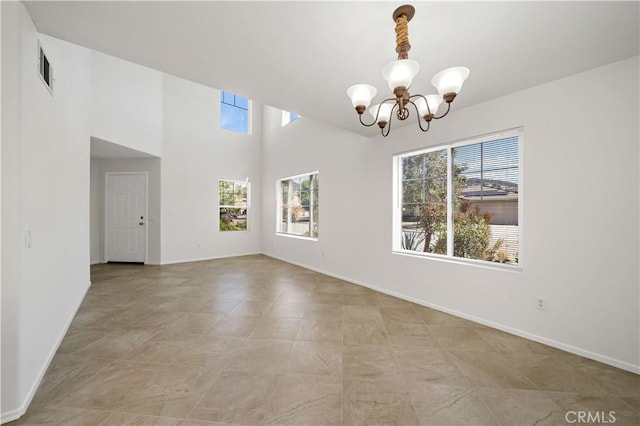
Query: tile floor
(252, 340)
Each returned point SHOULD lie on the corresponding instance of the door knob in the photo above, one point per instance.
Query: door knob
(140, 223)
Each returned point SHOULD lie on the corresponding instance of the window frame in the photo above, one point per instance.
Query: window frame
(234, 105)
(247, 205)
(449, 147)
(279, 207)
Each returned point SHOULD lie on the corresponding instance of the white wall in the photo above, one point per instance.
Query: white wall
(580, 244)
(126, 108)
(99, 167)
(49, 172)
(12, 17)
(306, 146)
(195, 154)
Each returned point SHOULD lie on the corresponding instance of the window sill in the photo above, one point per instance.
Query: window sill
(460, 261)
(299, 237)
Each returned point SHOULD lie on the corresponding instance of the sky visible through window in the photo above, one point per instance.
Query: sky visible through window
(234, 112)
(288, 117)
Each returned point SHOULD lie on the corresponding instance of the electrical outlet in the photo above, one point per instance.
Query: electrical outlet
(541, 303)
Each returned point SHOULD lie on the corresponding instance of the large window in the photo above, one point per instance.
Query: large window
(234, 112)
(461, 200)
(299, 209)
(233, 204)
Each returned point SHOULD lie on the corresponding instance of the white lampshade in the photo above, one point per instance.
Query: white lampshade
(361, 94)
(450, 80)
(385, 111)
(434, 102)
(400, 73)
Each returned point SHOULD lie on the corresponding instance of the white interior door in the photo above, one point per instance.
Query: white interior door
(126, 205)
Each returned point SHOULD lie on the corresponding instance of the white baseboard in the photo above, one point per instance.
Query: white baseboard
(19, 412)
(529, 336)
(12, 415)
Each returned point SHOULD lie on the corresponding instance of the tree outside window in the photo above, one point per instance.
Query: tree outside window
(233, 205)
(480, 208)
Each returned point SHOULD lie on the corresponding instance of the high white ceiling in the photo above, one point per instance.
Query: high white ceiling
(302, 56)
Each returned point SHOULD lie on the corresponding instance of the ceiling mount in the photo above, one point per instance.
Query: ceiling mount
(406, 10)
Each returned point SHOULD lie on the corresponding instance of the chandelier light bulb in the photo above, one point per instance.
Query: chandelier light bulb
(450, 80)
(400, 73)
(385, 111)
(361, 94)
(433, 101)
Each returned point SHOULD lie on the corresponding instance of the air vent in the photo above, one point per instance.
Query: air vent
(45, 70)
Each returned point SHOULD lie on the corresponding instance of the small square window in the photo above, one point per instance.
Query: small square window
(234, 112)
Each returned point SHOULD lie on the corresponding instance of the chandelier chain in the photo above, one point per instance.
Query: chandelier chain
(402, 37)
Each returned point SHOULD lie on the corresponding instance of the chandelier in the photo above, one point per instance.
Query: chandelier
(399, 75)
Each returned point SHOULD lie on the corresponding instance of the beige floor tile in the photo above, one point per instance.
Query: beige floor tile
(261, 355)
(237, 397)
(359, 299)
(276, 328)
(287, 310)
(326, 298)
(411, 335)
(361, 313)
(219, 306)
(375, 412)
(422, 368)
(252, 340)
(127, 419)
(522, 407)
(161, 352)
(109, 388)
(487, 369)
(322, 358)
(312, 329)
(305, 400)
(323, 311)
(65, 372)
(452, 405)
(387, 385)
(236, 326)
(250, 308)
(56, 415)
(362, 333)
(369, 361)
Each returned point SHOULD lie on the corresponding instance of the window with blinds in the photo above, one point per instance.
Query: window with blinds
(461, 200)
